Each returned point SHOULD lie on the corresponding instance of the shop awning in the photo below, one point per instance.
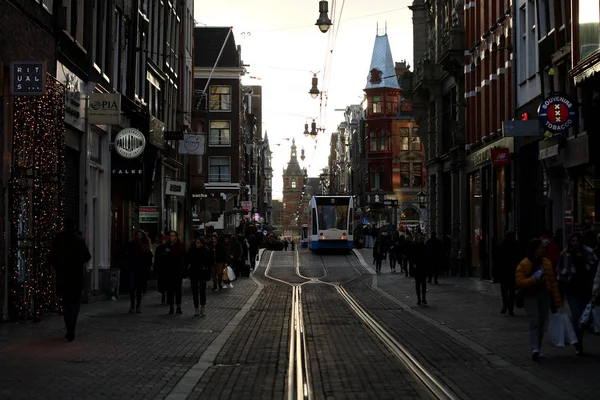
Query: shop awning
(586, 68)
(548, 152)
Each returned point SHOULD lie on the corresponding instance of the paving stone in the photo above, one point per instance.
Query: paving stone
(116, 355)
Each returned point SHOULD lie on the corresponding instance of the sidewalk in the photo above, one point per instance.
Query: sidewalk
(468, 310)
(115, 354)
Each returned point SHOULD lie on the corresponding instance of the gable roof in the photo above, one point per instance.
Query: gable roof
(207, 45)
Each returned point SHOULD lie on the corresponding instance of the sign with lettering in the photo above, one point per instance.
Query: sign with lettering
(28, 78)
(148, 214)
(130, 143)
(192, 144)
(173, 135)
(175, 188)
(105, 108)
(557, 113)
(128, 171)
(481, 157)
(500, 156)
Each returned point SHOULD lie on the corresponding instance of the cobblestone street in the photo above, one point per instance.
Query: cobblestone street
(241, 349)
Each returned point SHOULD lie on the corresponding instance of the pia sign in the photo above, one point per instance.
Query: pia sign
(557, 113)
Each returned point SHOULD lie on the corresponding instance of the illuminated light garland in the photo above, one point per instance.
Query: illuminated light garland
(36, 198)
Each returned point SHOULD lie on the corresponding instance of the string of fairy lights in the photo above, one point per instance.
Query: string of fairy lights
(36, 198)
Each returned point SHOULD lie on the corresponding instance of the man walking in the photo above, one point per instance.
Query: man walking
(68, 255)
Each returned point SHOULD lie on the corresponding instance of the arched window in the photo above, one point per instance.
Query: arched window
(294, 183)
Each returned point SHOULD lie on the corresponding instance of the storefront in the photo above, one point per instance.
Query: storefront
(489, 203)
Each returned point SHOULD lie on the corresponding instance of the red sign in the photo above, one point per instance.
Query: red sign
(500, 156)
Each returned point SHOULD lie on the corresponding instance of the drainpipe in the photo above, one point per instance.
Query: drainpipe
(513, 162)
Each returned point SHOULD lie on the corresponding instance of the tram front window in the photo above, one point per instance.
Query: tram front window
(333, 217)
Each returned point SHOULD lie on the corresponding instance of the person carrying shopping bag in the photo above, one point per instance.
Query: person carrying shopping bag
(535, 276)
(576, 277)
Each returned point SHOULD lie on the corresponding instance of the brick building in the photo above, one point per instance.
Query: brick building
(293, 184)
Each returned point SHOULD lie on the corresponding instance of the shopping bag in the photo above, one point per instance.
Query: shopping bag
(555, 336)
(230, 274)
(569, 331)
(224, 275)
(586, 316)
(596, 318)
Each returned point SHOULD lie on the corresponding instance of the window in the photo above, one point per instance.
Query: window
(411, 175)
(546, 17)
(373, 141)
(522, 50)
(375, 178)
(220, 134)
(384, 141)
(96, 146)
(220, 98)
(377, 105)
(293, 183)
(391, 105)
(415, 142)
(116, 76)
(220, 170)
(101, 47)
(532, 42)
(589, 22)
(404, 139)
(125, 58)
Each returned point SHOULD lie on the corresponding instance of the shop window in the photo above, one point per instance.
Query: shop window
(220, 134)
(220, 98)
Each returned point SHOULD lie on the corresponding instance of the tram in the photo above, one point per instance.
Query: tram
(304, 239)
(331, 219)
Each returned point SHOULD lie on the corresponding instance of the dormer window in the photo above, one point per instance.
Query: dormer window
(375, 76)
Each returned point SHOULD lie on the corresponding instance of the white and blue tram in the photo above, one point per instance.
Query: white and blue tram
(331, 223)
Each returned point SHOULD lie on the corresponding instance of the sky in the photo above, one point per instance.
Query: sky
(282, 47)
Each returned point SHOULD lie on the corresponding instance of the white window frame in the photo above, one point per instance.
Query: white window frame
(211, 176)
(219, 104)
(220, 142)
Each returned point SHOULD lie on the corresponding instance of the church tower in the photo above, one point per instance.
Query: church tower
(293, 181)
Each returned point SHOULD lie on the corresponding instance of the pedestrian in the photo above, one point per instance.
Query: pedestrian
(420, 268)
(196, 258)
(176, 265)
(244, 269)
(378, 254)
(253, 250)
(161, 267)
(67, 256)
(293, 245)
(577, 268)
(236, 254)
(536, 277)
(393, 250)
(435, 252)
(139, 261)
(400, 253)
(508, 256)
(221, 260)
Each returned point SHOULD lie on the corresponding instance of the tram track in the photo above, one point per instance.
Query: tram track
(434, 387)
(299, 385)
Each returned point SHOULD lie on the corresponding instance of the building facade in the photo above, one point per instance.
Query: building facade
(436, 89)
(218, 177)
(293, 183)
(392, 143)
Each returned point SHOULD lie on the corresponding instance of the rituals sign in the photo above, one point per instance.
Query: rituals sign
(27, 78)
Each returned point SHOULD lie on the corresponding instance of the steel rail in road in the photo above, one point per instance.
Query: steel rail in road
(433, 385)
(298, 378)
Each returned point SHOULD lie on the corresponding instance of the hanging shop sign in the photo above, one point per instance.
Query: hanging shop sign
(156, 135)
(500, 156)
(246, 206)
(192, 144)
(130, 143)
(148, 214)
(175, 188)
(27, 78)
(557, 113)
(105, 108)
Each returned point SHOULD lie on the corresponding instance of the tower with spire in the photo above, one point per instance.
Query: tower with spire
(395, 157)
(293, 182)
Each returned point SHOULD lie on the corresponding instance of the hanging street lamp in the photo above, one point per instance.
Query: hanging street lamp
(306, 132)
(314, 90)
(302, 156)
(422, 198)
(323, 22)
(313, 129)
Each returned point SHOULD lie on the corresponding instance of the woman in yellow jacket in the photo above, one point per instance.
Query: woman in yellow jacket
(536, 277)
